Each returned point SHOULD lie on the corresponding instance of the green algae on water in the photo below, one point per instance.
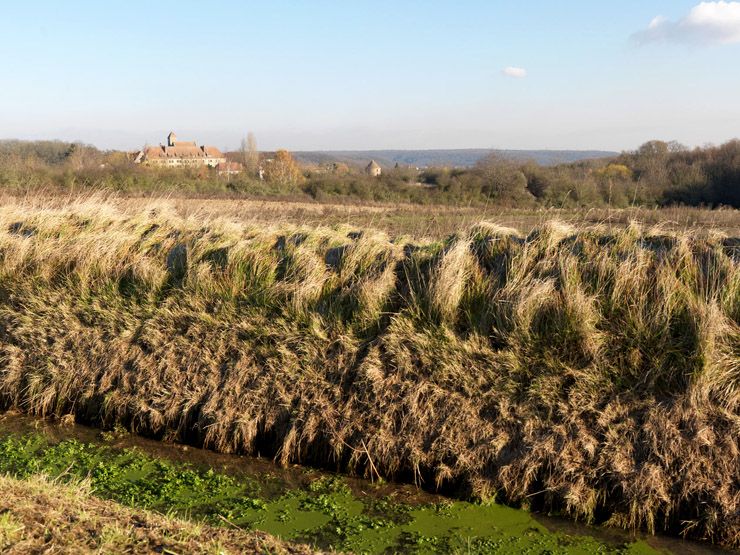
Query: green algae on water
(325, 513)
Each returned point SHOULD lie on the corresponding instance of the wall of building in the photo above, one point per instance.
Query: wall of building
(184, 162)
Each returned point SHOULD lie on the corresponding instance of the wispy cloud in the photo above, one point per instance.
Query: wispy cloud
(515, 72)
(706, 23)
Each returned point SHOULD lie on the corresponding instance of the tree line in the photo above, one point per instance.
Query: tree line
(658, 173)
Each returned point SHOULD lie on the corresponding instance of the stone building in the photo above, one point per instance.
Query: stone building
(180, 154)
(229, 168)
(374, 169)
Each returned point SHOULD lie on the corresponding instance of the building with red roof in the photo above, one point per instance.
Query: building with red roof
(178, 154)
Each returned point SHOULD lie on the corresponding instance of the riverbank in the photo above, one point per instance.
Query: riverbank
(587, 372)
(39, 515)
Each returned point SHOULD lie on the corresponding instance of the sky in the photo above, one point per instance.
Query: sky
(360, 74)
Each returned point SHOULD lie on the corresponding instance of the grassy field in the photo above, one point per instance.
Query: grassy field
(439, 221)
(592, 371)
(413, 220)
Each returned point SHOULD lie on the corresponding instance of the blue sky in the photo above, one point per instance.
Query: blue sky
(356, 74)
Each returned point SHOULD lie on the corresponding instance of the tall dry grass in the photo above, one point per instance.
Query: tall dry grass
(590, 371)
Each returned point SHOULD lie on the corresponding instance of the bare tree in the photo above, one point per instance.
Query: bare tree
(501, 177)
(249, 155)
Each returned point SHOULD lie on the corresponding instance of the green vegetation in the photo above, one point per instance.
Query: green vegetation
(590, 372)
(326, 513)
(656, 174)
(38, 515)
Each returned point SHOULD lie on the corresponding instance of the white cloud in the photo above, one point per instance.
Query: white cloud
(515, 72)
(706, 23)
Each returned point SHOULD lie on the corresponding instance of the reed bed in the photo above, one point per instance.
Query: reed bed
(589, 371)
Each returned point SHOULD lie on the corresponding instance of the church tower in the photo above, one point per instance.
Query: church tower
(171, 138)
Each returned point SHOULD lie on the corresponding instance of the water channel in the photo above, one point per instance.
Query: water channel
(299, 503)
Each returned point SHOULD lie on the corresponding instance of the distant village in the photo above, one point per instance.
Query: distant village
(187, 154)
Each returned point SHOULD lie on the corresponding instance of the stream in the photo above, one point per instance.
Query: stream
(297, 503)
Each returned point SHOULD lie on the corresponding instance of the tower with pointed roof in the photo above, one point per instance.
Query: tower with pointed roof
(373, 168)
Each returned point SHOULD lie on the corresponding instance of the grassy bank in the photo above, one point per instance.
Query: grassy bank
(591, 372)
(38, 515)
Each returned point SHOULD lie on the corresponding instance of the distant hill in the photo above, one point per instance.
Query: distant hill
(462, 158)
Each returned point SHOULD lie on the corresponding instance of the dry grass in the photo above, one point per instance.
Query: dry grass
(590, 370)
(440, 221)
(40, 516)
(433, 221)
